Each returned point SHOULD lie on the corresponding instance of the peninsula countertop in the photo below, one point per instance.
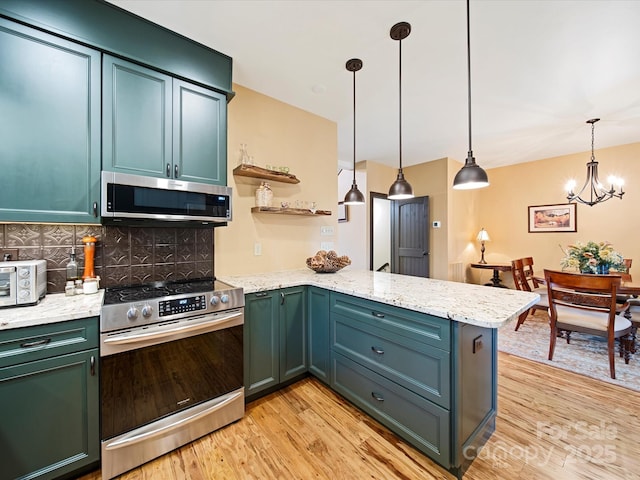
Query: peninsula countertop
(463, 302)
(54, 307)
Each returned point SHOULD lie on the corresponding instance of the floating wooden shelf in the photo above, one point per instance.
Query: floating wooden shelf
(290, 211)
(259, 172)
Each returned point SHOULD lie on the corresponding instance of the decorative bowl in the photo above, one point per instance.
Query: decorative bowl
(327, 262)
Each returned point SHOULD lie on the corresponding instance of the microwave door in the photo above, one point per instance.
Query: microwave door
(8, 286)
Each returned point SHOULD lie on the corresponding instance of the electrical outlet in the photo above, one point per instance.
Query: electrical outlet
(326, 231)
(257, 249)
(9, 254)
(326, 246)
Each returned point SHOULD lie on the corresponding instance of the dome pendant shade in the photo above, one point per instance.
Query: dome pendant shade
(400, 189)
(354, 196)
(471, 176)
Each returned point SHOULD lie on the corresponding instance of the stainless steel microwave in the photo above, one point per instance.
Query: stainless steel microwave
(137, 197)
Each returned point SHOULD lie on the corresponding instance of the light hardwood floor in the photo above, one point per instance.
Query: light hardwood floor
(551, 424)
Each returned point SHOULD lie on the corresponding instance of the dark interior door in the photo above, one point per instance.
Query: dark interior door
(410, 236)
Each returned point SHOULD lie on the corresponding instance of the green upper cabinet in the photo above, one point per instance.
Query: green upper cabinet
(159, 126)
(49, 128)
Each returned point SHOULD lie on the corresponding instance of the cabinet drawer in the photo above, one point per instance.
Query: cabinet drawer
(43, 341)
(417, 366)
(420, 422)
(417, 326)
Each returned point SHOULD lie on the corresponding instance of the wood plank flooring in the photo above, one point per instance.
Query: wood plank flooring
(551, 424)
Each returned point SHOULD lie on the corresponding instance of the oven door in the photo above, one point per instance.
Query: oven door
(149, 373)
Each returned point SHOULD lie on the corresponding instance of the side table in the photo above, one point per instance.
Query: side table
(497, 268)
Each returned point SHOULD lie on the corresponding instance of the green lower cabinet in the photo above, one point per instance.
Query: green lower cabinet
(49, 410)
(274, 338)
(318, 324)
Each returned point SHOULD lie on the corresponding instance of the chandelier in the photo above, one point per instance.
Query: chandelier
(593, 190)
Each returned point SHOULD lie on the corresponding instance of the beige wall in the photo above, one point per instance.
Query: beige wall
(503, 207)
(276, 134)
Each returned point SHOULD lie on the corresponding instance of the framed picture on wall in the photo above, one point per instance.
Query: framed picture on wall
(553, 218)
(342, 212)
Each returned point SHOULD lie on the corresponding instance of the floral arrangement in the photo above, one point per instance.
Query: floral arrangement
(592, 257)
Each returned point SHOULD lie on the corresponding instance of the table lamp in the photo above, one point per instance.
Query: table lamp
(482, 237)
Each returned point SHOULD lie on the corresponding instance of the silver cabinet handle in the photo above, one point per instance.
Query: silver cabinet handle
(378, 351)
(95, 209)
(168, 170)
(35, 343)
(377, 314)
(93, 366)
(377, 396)
(261, 294)
(175, 171)
(281, 298)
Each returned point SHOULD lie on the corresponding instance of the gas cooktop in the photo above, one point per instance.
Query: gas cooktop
(146, 291)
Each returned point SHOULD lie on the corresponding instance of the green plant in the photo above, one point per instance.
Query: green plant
(592, 257)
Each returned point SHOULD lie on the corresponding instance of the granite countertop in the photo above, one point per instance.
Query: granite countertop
(55, 307)
(463, 302)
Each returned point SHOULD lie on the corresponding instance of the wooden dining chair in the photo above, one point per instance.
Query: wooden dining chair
(523, 278)
(586, 303)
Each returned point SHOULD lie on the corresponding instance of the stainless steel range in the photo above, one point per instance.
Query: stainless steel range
(171, 367)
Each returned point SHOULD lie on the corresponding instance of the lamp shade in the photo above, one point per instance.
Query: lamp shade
(354, 196)
(470, 176)
(400, 189)
(483, 236)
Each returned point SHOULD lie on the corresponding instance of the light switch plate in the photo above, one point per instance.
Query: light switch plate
(257, 249)
(326, 230)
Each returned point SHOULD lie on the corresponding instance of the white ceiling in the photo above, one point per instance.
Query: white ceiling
(539, 70)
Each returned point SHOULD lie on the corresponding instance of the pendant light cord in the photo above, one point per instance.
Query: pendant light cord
(400, 101)
(469, 77)
(354, 127)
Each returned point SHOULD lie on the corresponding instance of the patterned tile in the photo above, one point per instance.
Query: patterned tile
(116, 236)
(185, 253)
(186, 271)
(204, 269)
(89, 230)
(116, 255)
(204, 236)
(57, 235)
(57, 258)
(2, 235)
(30, 253)
(141, 274)
(141, 255)
(164, 272)
(185, 236)
(56, 280)
(164, 254)
(140, 236)
(115, 276)
(22, 235)
(164, 236)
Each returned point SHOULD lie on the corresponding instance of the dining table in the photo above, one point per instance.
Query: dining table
(627, 285)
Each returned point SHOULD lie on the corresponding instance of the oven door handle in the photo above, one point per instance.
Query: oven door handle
(181, 420)
(160, 333)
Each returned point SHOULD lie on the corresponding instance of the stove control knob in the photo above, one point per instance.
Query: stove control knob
(147, 310)
(224, 298)
(214, 300)
(132, 313)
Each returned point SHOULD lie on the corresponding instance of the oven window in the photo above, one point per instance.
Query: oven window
(144, 385)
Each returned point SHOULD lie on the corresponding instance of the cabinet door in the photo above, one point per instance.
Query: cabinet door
(49, 128)
(261, 341)
(137, 119)
(318, 324)
(50, 424)
(293, 332)
(199, 134)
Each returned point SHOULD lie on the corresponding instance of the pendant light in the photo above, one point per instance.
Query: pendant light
(471, 175)
(400, 189)
(354, 196)
(597, 192)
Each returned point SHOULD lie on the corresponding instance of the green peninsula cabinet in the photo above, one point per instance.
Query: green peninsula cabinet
(49, 128)
(160, 126)
(49, 400)
(275, 341)
(318, 340)
(428, 379)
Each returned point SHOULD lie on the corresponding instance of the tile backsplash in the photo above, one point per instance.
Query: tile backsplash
(124, 255)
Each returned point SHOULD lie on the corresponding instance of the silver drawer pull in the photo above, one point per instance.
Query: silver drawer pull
(36, 343)
(379, 351)
(377, 396)
(261, 294)
(377, 314)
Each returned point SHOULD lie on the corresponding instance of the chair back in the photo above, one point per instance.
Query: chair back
(527, 266)
(583, 291)
(519, 278)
